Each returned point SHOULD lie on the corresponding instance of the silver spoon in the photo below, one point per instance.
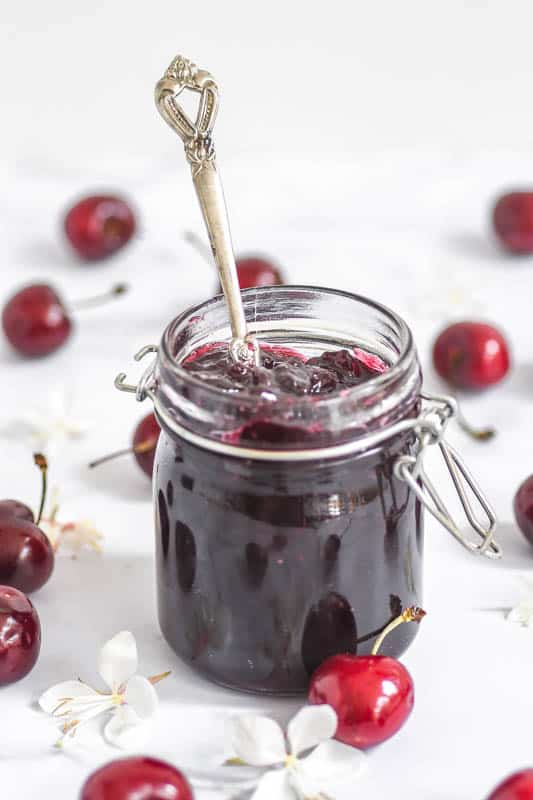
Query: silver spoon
(199, 149)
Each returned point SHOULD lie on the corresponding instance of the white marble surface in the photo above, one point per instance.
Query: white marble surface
(409, 230)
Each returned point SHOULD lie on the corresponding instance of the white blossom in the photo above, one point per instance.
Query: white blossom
(291, 771)
(131, 702)
(51, 421)
(522, 613)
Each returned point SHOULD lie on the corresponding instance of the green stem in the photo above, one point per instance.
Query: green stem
(41, 462)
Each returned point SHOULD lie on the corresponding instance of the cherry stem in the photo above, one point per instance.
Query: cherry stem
(410, 614)
(115, 291)
(200, 246)
(142, 447)
(42, 463)
(156, 678)
(480, 434)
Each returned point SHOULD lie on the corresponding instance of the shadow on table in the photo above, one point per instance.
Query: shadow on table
(474, 246)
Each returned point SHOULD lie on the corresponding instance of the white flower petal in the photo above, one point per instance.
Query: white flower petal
(52, 698)
(311, 726)
(141, 696)
(118, 660)
(274, 785)
(258, 741)
(126, 729)
(522, 614)
(304, 787)
(331, 760)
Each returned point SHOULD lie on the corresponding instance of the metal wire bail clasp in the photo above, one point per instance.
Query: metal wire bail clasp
(431, 427)
(146, 383)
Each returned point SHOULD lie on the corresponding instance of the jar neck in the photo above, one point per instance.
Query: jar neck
(310, 320)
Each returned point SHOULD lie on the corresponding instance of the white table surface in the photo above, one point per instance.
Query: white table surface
(409, 230)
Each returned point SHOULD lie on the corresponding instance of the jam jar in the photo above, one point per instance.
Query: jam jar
(290, 527)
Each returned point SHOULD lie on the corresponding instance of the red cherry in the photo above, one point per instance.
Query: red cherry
(36, 322)
(512, 219)
(144, 443)
(523, 508)
(26, 555)
(137, 778)
(372, 695)
(255, 271)
(517, 787)
(471, 355)
(98, 226)
(145, 440)
(14, 508)
(20, 635)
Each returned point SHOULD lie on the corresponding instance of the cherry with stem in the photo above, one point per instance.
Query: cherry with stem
(372, 695)
(145, 438)
(26, 553)
(36, 321)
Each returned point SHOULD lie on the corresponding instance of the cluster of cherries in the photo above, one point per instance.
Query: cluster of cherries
(372, 695)
(26, 563)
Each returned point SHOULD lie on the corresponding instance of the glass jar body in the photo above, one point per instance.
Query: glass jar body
(264, 570)
(267, 567)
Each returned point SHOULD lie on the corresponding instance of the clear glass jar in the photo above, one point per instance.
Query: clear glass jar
(274, 554)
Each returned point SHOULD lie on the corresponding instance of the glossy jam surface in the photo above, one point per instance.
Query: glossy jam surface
(284, 371)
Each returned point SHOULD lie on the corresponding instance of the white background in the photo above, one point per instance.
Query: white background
(362, 145)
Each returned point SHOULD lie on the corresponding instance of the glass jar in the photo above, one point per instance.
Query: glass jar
(277, 549)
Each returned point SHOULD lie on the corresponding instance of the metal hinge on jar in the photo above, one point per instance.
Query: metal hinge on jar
(429, 428)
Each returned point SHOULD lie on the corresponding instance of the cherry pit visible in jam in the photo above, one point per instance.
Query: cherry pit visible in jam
(265, 569)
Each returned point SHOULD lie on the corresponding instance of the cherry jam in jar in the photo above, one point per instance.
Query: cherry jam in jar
(283, 534)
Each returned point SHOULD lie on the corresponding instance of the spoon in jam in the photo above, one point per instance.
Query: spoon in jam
(196, 134)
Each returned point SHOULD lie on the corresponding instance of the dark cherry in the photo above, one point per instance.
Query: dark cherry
(145, 440)
(512, 219)
(372, 695)
(26, 555)
(144, 443)
(14, 508)
(99, 226)
(523, 508)
(137, 778)
(20, 635)
(471, 355)
(518, 786)
(256, 271)
(36, 321)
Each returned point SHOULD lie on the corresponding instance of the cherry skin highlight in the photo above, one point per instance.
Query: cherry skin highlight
(137, 778)
(35, 320)
(145, 440)
(518, 786)
(20, 635)
(512, 220)
(471, 355)
(523, 508)
(99, 226)
(372, 695)
(26, 555)
(14, 508)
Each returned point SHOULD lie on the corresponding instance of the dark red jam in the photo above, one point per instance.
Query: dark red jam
(267, 568)
(283, 371)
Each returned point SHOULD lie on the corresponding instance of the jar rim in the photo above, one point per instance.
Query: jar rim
(374, 384)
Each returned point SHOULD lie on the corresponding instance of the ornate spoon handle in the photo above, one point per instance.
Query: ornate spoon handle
(182, 74)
